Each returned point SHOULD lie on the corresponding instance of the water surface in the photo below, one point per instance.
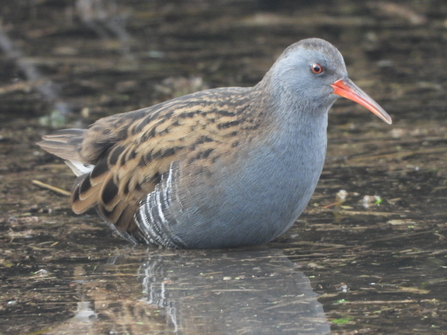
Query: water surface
(357, 266)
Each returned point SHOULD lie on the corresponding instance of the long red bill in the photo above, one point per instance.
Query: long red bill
(347, 89)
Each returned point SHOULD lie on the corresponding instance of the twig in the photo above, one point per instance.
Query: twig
(52, 188)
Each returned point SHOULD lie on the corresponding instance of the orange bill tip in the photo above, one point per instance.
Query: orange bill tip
(347, 89)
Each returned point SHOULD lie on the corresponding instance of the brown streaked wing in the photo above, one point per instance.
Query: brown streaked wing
(202, 126)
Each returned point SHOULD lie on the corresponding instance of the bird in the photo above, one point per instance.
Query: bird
(220, 168)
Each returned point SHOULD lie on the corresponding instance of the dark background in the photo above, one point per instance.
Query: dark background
(379, 267)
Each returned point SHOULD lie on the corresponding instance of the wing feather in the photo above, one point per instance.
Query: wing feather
(131, 151)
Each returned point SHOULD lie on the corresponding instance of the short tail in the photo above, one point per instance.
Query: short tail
(66, 144)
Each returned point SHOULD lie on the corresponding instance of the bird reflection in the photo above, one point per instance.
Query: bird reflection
(193, 292)
(248, 291)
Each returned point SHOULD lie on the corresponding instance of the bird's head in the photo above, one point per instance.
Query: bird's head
(314, 72)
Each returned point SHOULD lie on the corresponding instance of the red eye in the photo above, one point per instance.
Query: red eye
(317, 68)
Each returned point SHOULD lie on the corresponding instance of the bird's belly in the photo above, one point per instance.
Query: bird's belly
(248, 205)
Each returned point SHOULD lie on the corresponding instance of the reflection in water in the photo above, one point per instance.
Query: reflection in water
(48, 90)
(255, 291)
(84, 313)
(196, 292)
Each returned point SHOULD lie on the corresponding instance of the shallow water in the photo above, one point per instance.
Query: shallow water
(376, 267)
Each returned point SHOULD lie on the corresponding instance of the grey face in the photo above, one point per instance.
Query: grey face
(312, 73)
(308, 69)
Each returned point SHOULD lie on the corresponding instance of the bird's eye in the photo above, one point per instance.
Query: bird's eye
(316, 68)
